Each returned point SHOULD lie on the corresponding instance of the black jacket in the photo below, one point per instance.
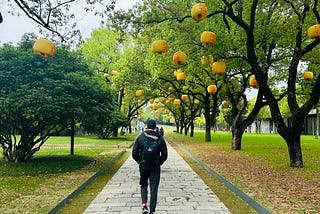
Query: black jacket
(138, 146)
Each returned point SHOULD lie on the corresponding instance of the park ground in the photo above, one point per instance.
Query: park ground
(261, 169)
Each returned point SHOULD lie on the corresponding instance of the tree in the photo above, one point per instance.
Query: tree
(264, 52)
(39, 97)
(58, 17)
(270, 38)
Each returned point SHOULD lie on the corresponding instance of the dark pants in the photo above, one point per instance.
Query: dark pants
(153, 175)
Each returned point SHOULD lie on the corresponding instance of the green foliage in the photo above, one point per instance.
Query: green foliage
(41, 96)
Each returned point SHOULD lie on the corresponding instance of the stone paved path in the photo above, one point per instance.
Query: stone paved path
(181, 191)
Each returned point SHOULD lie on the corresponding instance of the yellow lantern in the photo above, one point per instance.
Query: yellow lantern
(114, 72)
(204, 60)
(155, 107)
(167, 111)
(156, 100)
(314, 32)
(139, 93)
(184, 97)
(199, 11)
(219, 68)
(212, 89)
(181, 76)
(151, 101)
(179, 58)
(160, 46)
(208, 38)
(170, 88)
(44, 47)
(175, 73)
(177, 102)
(105, 75)
(253, 82)
(185, 88)
(308, 75)
(123, 103)
(196, 102)
(139, 101)
(210, 59)
(223, 110)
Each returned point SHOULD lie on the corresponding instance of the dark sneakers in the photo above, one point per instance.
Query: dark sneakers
(145, 210)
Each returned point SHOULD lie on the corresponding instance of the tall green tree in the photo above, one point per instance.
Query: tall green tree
(40, 97)
(270, 37)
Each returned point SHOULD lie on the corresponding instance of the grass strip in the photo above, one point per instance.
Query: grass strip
(221, 179)
(83, 198)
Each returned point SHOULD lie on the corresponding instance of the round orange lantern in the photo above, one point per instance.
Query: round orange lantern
(308, 75)
(196, 102)
(177, 102)
(155, 107)
(253, 82)
(167, 111)
(179, 58)
(139, 93)
(151, 101)
(184, 97)
(219, 68)
(160, 46)
(212, 89)
(199, 11)
(181, 76)
(44, 47)
(208, 38)
(225, 103)
(114, 72)
(314, 32)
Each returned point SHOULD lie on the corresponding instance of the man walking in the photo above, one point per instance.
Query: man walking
(150, 152)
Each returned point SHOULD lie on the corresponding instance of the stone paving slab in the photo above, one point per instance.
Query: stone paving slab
(181, 191)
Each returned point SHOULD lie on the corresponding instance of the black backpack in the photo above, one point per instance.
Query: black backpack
(150, 154)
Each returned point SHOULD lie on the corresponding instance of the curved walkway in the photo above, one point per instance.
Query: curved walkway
(181, 191)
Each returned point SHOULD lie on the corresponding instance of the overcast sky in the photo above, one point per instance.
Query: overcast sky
(13, 27)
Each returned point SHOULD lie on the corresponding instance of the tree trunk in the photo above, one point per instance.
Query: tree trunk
(192, 129)
(237, 137)
(181, 126)
(186, 129)
(130, 128)
(72, 137)
(208, 130)
(115, 132)
(294, 148)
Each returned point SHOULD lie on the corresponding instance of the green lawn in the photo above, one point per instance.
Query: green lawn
(261, 169)
(38, 185)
